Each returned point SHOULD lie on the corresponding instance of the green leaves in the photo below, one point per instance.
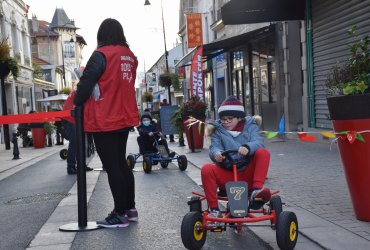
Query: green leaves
(354, 87)
(353, 75)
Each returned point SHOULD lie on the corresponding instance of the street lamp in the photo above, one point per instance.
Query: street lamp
(165, 48)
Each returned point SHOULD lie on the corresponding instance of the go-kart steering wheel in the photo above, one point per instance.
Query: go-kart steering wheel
(227, 154)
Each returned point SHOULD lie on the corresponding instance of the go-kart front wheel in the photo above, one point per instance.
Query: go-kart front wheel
(131, 162)
(63, 154)
(147, 165)
(287, 230)
(192, 234)
(182, 161)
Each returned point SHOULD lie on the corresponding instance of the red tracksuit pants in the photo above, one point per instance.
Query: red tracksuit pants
(254, 174)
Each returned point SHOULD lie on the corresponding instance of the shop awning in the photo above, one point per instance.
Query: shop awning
(259, 11)
(185, 60)
(234, 43)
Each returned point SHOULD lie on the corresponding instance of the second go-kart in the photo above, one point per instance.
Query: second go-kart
(238, 214)
(158, 154)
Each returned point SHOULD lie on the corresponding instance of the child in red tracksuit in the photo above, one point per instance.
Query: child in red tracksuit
(235, 131)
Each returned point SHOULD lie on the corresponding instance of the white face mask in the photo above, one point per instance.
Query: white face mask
(146, 123)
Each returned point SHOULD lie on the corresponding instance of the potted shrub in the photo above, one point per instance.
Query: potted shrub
(7, 63)
(49, 129)
(194, 108)
(169, 79)
(178, 124)
(147, 97)
(348, 86)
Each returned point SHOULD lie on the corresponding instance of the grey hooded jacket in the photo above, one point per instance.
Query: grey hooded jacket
(222, 140)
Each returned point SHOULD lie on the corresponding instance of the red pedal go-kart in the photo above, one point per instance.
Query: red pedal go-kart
(237, 215)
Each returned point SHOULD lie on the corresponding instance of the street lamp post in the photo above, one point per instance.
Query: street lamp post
(165, 57)
(165, 48)
(64, 70)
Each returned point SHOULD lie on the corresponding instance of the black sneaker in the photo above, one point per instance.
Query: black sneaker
(71, 170)
(172, 154)
(114, 220)
(132, 214)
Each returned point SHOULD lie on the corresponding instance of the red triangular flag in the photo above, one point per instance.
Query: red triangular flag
(306, 137)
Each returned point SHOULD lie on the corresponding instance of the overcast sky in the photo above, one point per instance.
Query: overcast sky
(142, 24)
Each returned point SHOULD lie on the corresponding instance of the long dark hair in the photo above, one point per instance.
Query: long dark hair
(111, 33)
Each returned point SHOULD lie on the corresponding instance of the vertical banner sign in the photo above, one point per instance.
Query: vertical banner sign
(181, 72)
(194, 29)
(196, 74)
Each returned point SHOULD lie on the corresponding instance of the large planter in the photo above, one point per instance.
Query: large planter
(38, 135)
(193, 133)
(352, 113)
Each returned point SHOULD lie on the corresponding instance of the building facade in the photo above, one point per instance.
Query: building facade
(13, 27)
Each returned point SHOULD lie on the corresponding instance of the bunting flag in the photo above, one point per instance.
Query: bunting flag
(305, 137)
(282, 125)
(351, 136)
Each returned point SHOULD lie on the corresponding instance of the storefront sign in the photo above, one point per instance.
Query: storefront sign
(257, 11)
(196, 74)
(194, 29)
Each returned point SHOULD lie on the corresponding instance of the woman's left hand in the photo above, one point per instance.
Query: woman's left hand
(243, 151)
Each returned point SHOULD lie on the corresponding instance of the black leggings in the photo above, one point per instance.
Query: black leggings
(111, 148)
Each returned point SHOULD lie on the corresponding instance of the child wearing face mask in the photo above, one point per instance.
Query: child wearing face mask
(148, 131)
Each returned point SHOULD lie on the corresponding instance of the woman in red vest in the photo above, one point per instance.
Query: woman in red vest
(107, 89)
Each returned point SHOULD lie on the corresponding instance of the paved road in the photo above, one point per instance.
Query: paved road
(27, 199)
(161, 201)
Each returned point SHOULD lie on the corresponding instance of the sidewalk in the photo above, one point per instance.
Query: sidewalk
(28, 156)
(312, 184)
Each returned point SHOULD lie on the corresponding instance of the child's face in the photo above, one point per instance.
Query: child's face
(229, 122)
(145, 119)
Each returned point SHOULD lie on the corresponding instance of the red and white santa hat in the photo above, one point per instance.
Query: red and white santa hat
(231, 106)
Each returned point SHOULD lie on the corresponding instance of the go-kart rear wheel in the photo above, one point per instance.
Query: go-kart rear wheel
(287, 230)
(277, 206)
(192, 234)
(131, 162)
(164, 164)
(182, 162)
(63, 154)
(195, 204)
(147, 165)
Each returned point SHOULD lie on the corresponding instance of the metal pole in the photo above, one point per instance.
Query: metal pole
(82, 225)
(81, 166)
(146, 84)
(64, 71)
(5, 112)
(165, 53)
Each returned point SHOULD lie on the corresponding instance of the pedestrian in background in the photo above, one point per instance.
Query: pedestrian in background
(107, 88)
(69, 127)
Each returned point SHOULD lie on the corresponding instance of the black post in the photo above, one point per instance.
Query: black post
(15, 147)
(81, 178)
(192, 139)
(81, 165)
(5, 112)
